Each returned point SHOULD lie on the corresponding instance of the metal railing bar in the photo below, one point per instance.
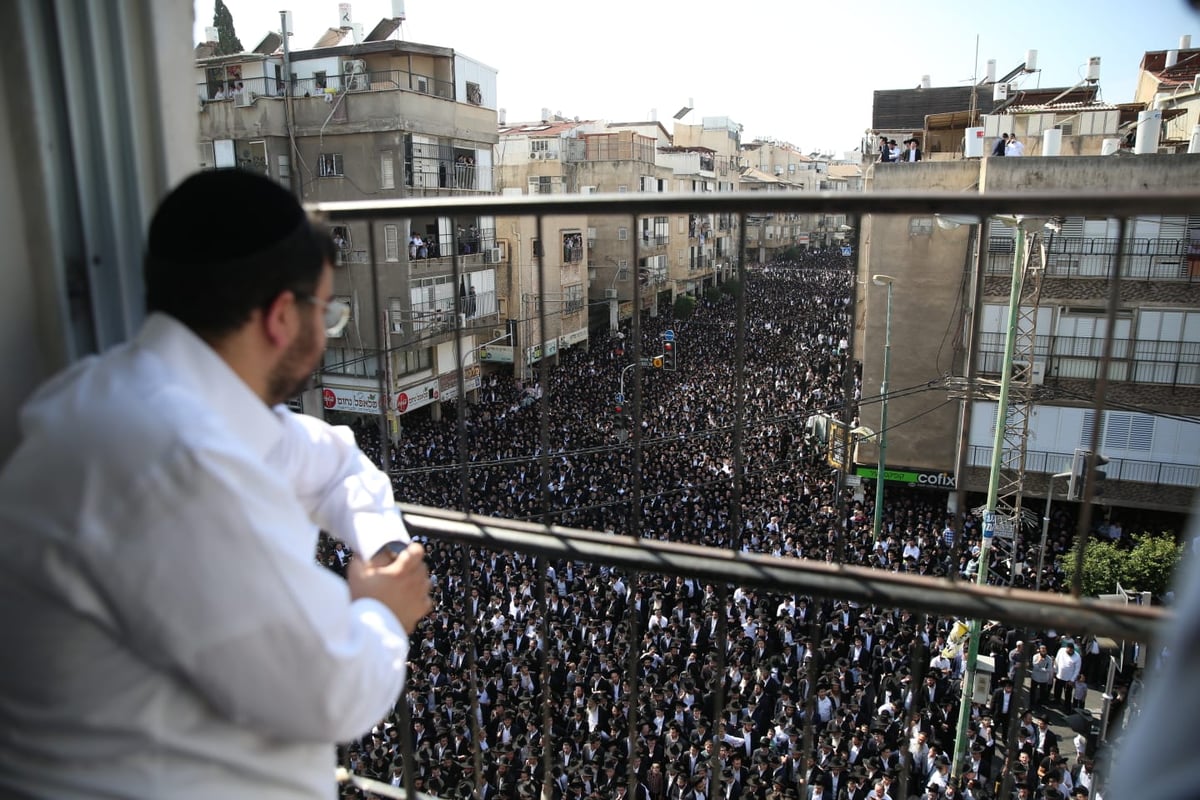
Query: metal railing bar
(817, 578)
(1089, 488)
(1116, 204)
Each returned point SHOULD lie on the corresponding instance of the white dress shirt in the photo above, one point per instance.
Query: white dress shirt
(168, 631)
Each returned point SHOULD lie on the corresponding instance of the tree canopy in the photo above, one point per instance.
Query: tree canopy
(227, 40)
(1148, 566)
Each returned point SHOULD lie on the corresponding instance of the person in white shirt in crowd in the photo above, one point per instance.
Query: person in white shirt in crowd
(1014, 148)
(1067, 664)
(168, 630)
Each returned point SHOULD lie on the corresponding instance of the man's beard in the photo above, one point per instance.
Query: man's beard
(295, 371)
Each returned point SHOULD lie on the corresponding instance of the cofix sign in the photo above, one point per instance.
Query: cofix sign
(355, 401)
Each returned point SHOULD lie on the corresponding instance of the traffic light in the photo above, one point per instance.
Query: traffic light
(1081, 477)
(669, 355)
(618, 411)
(657, 362)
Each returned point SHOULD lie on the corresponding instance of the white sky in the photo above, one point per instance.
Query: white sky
(802, 71)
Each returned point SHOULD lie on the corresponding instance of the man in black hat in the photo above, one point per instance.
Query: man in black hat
(189, 499)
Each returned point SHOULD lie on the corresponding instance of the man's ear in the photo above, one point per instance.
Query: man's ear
(279, 319)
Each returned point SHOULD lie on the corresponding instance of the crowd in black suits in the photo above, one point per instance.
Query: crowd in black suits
(883, 716)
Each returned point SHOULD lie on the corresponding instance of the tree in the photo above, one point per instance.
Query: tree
(1102, 567)
(1150, 565)
(1146, 567)
(685, 306)
(732, 287)
(227, 40)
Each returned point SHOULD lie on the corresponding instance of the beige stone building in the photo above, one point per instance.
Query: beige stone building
(372, 117)
(667, 254)
(1149, 434)
(1169, 81)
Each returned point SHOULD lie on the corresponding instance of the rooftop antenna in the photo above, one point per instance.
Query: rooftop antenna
(399, 15)
(973, 111)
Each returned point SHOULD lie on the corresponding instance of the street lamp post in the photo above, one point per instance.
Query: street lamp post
(888, 281)
(1037, 581)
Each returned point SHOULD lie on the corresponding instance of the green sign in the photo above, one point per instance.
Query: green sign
(934, 480)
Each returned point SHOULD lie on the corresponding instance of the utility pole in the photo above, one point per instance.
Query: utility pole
(989, 514)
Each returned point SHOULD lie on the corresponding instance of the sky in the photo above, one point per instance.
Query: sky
(799, 71)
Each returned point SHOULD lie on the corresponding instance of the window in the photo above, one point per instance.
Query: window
(330, 165)
(387, 171)
(348, 361)
(1122, 430)
(208, 156)
(539, 145)
(537, 248)
(391, 243)
(341, 237)
(572, 248)
(622, 270)
(417, 360)
(572, 299)
(623, 234)
(920, 226)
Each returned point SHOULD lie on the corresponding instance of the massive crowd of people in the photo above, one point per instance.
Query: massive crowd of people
(873, 683)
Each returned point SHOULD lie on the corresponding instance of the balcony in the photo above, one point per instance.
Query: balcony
(1078, 257)
(1079, 357)
(668, 463)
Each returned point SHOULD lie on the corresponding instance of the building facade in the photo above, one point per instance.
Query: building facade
(352, 119)
(1151, 432)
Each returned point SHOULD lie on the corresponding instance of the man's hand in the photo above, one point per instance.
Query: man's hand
(401, 584)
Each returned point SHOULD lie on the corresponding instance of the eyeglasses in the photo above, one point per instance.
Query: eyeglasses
(337, 313)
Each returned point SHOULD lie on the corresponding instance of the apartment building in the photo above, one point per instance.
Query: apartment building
(1169, 82)
(773, 166)
(1149, 432)
(359, 117)
(668, 254)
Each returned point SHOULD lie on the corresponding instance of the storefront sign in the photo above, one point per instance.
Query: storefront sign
(496, 353)
(931, 480)
(574, 337)
(413, 397)
(356, 401)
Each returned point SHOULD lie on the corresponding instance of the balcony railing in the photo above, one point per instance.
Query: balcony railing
(1079, 357)
(374, 81)
(434, 317)
(1078, 257)
(1117, 469)
(672, 456)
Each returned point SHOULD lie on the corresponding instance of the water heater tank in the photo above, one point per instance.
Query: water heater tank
(999, 92)
(973, 143)
(1149, 128)
(1052, 142)
(1030, 60)
(1093, 68)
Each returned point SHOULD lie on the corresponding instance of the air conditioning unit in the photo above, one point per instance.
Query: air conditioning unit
(1039, 373)
(551, 154)
(462, 321)
(1035, 373)
(492, 255)
(423, 85)
(244, 99)
(354, 73)
(535, 156)
(610, 294)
